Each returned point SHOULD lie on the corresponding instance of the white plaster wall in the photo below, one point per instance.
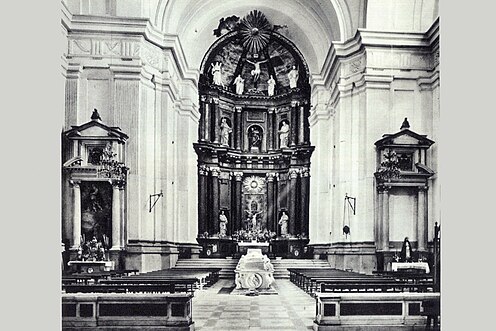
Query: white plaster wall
(402, 215)
(401, 15)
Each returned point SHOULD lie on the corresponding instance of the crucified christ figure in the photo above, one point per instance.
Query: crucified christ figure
(256, 72)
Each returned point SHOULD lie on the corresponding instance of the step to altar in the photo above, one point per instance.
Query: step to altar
(228, 265)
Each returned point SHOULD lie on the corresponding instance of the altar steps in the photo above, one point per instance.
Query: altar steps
(228, 265)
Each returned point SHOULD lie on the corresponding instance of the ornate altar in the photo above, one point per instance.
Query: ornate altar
(254, 138)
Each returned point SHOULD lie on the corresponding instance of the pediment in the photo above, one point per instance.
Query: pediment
(404, 137)
(95, 129)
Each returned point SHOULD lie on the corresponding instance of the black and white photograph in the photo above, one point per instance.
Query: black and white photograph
(250, 165)
(247, 165)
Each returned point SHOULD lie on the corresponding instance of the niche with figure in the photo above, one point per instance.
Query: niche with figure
(255, 137)
(225, 131)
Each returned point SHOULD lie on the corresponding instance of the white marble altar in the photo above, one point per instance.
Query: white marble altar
(254, 271)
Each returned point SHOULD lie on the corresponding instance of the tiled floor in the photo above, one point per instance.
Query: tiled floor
(290, 309)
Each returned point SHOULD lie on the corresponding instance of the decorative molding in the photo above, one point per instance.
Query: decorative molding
(215, 171)
(293, 173)
(238, 176)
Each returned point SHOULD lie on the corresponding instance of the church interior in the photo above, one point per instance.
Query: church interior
(265, 165)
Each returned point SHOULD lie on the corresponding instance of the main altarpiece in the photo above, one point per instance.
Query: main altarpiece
(254, 140)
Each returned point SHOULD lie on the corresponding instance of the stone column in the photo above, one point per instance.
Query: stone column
(203, 118)
(293, 176)
(238, 129)
(305, 191)
(275, 129)
(202, 198)
(237, 212)
(216, 119)
(208, 121)
(306, 126)
(301, 125)
(76, 213)
(378, 234)
(214, 215)
(294, 124)
(422, 219)
(385, 219)
(116, 216)
(270, 202)
(270, 132)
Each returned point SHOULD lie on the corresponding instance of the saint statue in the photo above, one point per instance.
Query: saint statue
(217, 73)
(225, 130)
(222, 224)
(406, 251)
(271, 84)
(293, 77)
(284, 134)
(255, 138)
(240, 85)
(256, 72)
(283, 222)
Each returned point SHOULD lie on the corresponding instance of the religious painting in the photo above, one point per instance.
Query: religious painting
(96, 210)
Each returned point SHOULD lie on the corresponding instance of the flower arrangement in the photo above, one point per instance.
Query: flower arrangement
(254, 235)
(93, 250)
(389, 168)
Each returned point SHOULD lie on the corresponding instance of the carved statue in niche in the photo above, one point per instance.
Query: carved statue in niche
(225, 130)
(271, 85)
(222, 224)
(284, 134)
(240, 85)
(217, 73)
(293, 77)
(255, 138)
(283, 222)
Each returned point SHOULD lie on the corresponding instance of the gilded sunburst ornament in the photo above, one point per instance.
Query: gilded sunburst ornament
(255, 31)
(254, 184)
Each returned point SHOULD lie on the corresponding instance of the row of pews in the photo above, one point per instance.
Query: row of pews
(131, 281)
(330, 280)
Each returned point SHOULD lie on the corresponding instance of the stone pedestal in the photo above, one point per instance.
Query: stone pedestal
(254, 271)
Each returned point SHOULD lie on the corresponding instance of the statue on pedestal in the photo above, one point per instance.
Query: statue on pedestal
(283, 222)
(284, 135)
(222, 224)
(271, 85)
(225, 130)
(240, 85)
(293, 77)
(217, 73)
(406, 251)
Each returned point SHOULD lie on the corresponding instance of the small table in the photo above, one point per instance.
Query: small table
(395, 266)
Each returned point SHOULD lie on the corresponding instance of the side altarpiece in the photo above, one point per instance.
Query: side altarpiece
(254, 140)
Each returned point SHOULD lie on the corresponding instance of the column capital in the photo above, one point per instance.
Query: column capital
(293, 173)
(214, 100)
(423, 188)
(295, 103)
(305, 172)
(75, 183)
(203, 170)
(238, 176)
(238, 109)
(203, 98)
(272, 110)
(271, 176)
(215, 171)
(117, 183)
(383, 188)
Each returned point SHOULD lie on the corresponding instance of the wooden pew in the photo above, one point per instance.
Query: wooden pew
(121, 288)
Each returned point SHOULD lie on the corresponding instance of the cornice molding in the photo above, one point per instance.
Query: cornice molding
(142, 29)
